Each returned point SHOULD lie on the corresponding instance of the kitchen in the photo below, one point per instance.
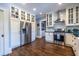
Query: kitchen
(63, 29)
(30, 28)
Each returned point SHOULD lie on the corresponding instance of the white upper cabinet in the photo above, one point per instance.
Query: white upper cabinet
(72, 16)
(77, 15)
(32, 18)
(14, 13)
(50, 18)
(21, 15)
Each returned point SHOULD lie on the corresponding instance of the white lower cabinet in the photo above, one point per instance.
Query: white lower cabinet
(76, 47)
(71, 40)
(33, 32)
(49, 37)
(15, 33)
(68, 39)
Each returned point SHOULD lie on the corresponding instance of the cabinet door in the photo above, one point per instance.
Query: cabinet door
(15, 33)
(46, 20)
(70, 19)
(32, 18)
(46, 36)
(75, 46)
(28, 17)
(68, 40)
(33, 31)
(77, 49)
(14, 13)
(49, 37)
(22, 15)
(70, 16)
(76, 15)
(50, 19)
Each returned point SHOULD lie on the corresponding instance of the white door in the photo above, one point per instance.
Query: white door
(1, 31)
(15, 33)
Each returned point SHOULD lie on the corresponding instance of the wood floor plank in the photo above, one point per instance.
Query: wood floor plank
(41, 48)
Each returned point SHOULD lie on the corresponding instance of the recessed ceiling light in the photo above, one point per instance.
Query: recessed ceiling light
(59, 3)
(34, 9)
(40, 13)
(23, 3)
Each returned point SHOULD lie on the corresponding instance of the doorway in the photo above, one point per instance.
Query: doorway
(43, 28)
(1, 32)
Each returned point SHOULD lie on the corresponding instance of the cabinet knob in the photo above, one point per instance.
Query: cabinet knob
(74, 50)
(74, 43)
(72, 40)
(2, 35)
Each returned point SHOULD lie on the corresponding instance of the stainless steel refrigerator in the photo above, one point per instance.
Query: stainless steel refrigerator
(28, 33)
(25, 33)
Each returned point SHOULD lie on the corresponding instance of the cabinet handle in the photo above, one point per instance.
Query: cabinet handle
(2, 35)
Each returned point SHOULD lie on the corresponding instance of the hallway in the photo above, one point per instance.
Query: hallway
(42, 48)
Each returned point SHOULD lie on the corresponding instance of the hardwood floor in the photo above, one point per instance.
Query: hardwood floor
(41, 48)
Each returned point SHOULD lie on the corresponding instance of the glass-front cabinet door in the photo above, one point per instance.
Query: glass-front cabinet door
(47, 20)
(32, 18)
(70, 16)
(22, 15)
(77, 14)
(14, 13)
(28, 17)
(50, 19)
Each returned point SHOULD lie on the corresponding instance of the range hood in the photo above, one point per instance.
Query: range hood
(59, 21)
(58, 24)
(60, 16)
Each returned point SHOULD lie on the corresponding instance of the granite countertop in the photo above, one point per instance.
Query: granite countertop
(73, 33)
(49, 31)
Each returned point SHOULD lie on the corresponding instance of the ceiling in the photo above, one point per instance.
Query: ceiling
(43, 7)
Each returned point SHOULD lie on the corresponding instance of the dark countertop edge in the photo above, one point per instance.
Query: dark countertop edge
(54, 32)
(49, 31)
(61, 32)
